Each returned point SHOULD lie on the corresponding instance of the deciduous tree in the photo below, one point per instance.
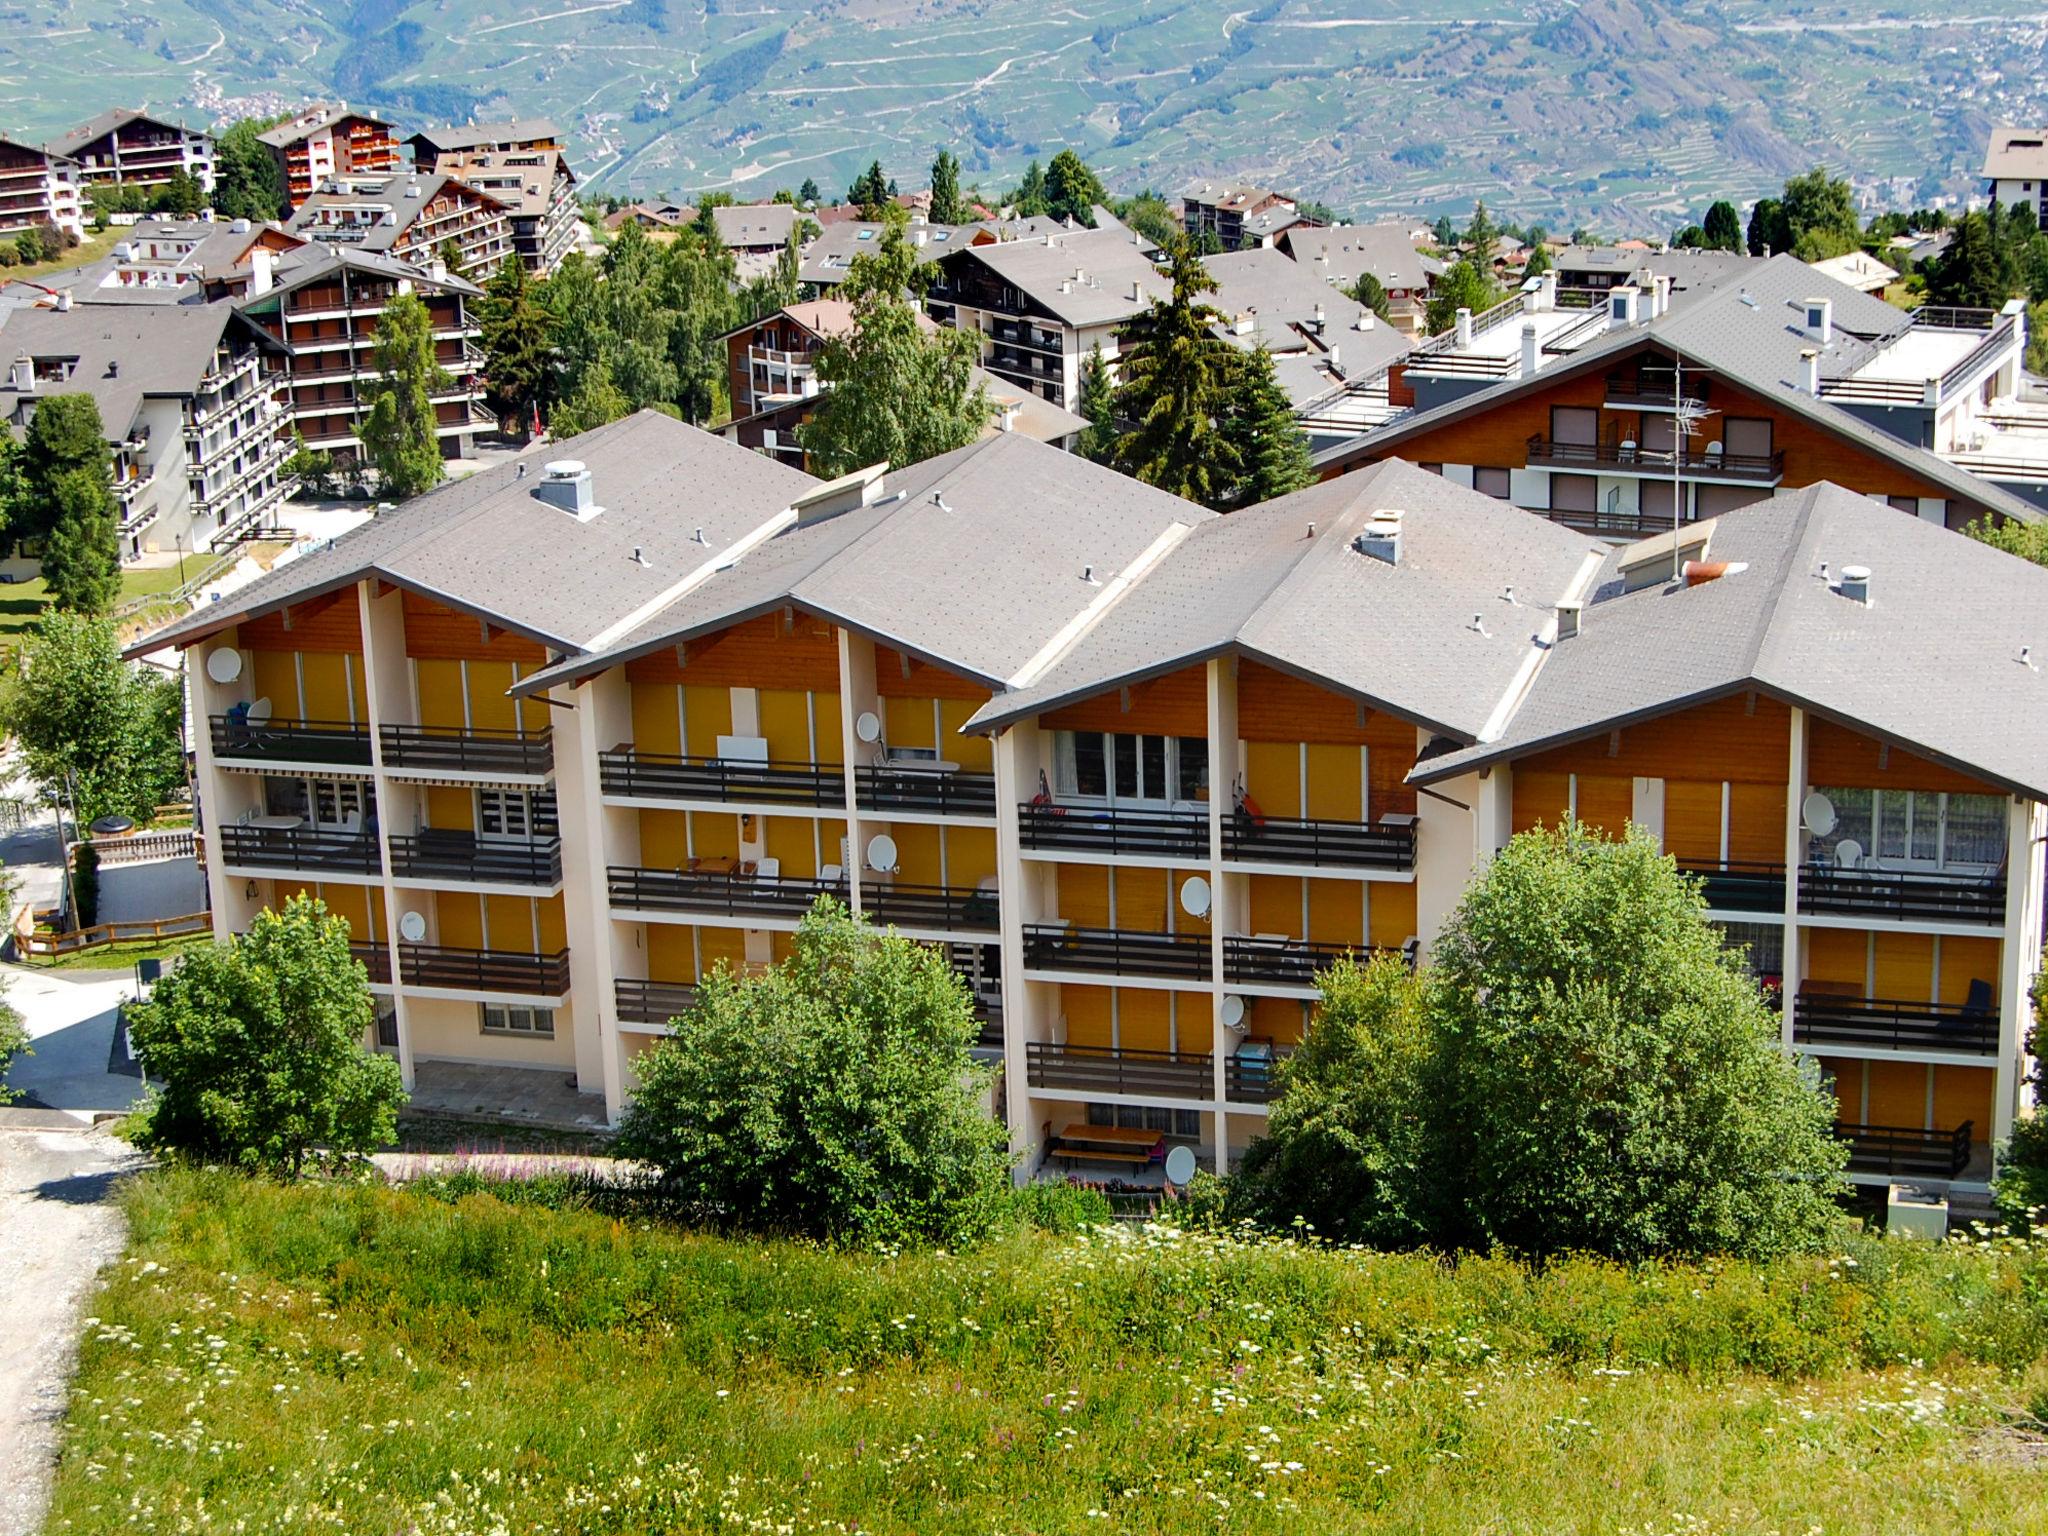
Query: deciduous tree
(398, 431)
(1464, 284)
(1071, 189)
(946, 207)
(248, 180)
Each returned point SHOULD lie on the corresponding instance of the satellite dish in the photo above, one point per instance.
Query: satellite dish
(1194, 896)
(259, 712)
(882, 852)
(1180, 1165)
(412, 927)
(868, 726)
(1818, 812)
(224, 664)
(1233, 1013)
(1848, 854)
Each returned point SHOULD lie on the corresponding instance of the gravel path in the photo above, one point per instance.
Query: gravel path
(57, 1227)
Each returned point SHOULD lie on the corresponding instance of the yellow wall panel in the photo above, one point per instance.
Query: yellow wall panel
(1905, 966)
(1540, 799)
(274, 676)
(831, 734)
(554, 927)
(450, 809)
(1334, 775)
(1084, 895)
(708, 716)
(1086, 1010)
(1393, 915)
(1756, 822)
(780, 947)
(1141, 899)
(1837, 955)
(511, 923)
(1144, 1020)
(1692, 820)
(1963, 1093)
(460, 922)
(1606, 801)
(1336, 911)
(830, 835)
(917, 853)
(727, 946)
(790, 840)
(352, 904)
(975, 754)
(324, 680)
(970, 854)
(489, 707)
(908, 723)
(439, 684)
(786, 722)
(1273, 776)
(1965, 960)
(671, 952)
(655, 722)
(1275, 904)
(1275, 1020)
(1898, 1093)
(714, 835)
(661, 839)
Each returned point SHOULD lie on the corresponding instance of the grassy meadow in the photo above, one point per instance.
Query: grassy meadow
(371, 1360)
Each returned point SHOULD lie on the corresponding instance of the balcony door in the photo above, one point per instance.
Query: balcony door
(1120, 769)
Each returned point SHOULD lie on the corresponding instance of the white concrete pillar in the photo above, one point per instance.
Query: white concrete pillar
(1795, 855)
(1646, 808)
(2019, 959)
(582, 719)
(387, 692)
(1227, 914)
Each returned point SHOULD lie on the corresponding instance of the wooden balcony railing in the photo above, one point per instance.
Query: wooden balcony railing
(1343, 844)
(1907, 1152)
(1620, 456)
(484, 970)
(954, 909)
(653, 1002)
(1116, 952)
(300, 848)
(1282, 962)
(1091, 829)
(715, 893)
(376, 959)
(452, 749)
(917, 789)
(661, 776)
(1104, 1069)
(335, 742)
(1253, 1079)
(439, 855)
(1821, 1019)
(1825, 890)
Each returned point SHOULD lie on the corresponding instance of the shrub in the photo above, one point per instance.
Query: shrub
(2022, 1188)
(13, 1043)
(85, 884)
(259, 1045)
(833, 1097)
(1058, 1206)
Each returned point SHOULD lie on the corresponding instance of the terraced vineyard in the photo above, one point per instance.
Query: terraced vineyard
(1625, 114)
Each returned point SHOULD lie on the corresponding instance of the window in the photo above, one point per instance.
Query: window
(1765, 943)
(1122, 769)
(331, 805)
(1574, 424)
(1490, 482)
(387, 1026)
(1136, 1117)
(1574, 493)
(518, 1019)
(1917, 828)
(515, 814)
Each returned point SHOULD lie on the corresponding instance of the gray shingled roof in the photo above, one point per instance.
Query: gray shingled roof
(1282, 583)
(756, 224)
(518, 130)
(379, 237)
(1686, 268)
(1932, 662)
(286, 134)
(488, 546)
(72, 140)
(121, 354)
(316, 259)
(975, 566)
(1343, 251)
(1281, 298)
(1043, 271)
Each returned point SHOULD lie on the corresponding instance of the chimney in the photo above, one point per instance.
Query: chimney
(1464, 328)
(1809, 371)
(1660, 294)
(1546, 291)
(1316, 324)
(1367, 319)
(1621, 306)
(64, 301)
(1382, 537)
(261, 269)
(565, 484)
(1569, 614)
(1855, 584)
(918, 237)
(1820, 320)
(238, 226)
(21, 378)
(1137, 291)
(1336, 362)
(1532, 350)
(1010, 411)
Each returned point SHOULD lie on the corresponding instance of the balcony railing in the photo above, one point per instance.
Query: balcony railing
(1116, 952)
(1627, 458)
(1090, 829)
(1821, 1019)
(291, 741)
(660, 776)
(484, 970)
(1903, 1151)
(1827, 891)
(441, 749)
(1253, 1079)
(922, 789)
(1622, 524)
(1651, 390)
(955, 909)
(376, 959)
(715, 893)
(1349, 844)
(1282, 962)
(462, 856)
(1105, 1069)
(300, 848)
(654, 1002)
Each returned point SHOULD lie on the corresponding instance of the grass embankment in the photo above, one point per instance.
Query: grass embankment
(369, 1360)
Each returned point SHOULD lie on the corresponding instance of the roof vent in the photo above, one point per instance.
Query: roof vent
(1855, 584)
(22, 377)
(1382, 537)
(566, 484)
(1569, 614)
(1088, 576)
(639, 555)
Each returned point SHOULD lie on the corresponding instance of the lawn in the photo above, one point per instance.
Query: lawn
(95, 245)
(23, 602)
(367, 1360)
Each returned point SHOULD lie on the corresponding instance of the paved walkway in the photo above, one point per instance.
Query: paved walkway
(526, 1095)
(57, 1228)
(71, 1018)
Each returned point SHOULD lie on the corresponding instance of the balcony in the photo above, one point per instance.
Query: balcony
(1824, 1020)
(376, 959)
(1275, 960)
(1107, 1070)
(660, 776)
(1089, 829)
(300, 848)
(1116, 952)
(1389, 845)
(1618, 456)
(926, 790)
(329, 742)
(1253, 1078)
(1904, 1152)
(951, 909)
(653, 1002)
(1652, 390)
(739, 892)
(448, 749)
(1943, 896)
(463, 857)
(484, 970)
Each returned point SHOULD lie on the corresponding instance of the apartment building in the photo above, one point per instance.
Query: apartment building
(1238, 216)
(409, 218)
(1786, 377)
(525, 135)
(1042, 306)
(322, 304)
(536, 189)
(325, 142)
(126, 147)
(1587, 273)
(1140, 770)
(188, 399)
(38, 188)
(1341, 254)
(181, 259)
(2016, 168)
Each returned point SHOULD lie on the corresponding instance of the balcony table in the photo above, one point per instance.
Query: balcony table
(276, 823)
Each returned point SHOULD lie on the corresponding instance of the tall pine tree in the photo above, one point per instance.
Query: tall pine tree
(946, 208)
(519, 345)
(82, 553)
(1098, 408)
(1175, 370)
(1258, 423)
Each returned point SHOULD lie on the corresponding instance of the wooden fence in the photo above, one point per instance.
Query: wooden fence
(140, 847)
(107, 935)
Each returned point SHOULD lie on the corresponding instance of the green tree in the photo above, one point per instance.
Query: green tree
(398, 431)
(2022, 1187)
(1820, 216)
(1770, 234)
(64, 436)
(259, 1045)
(1723, 227)
(946, 206)
(2027, 540)
(519, 344)
(597, 401)
(1464, 284)
(1151, 217)
(1029, 198)
(1481, 235)
(692, 300)
(1970, 274)
(895, 391)
(1268, 444)
(1539, 260)
(82, 552)
(1175, 373)
(248, 181)
(870, 191)
(834, 1097)
(1071, 189)
(1443, 232)
(1372, 293)
(14, 1042)
(1608, 1076)
(94, 731)
(1097, 408)
(706, 223)
(1689, 238)
(181, 196)
(808, 194)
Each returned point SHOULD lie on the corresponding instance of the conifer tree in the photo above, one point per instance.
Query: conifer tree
(946, 207)
(1175, 370)
(519, 344)
(82, 554)
(1270, 448)
(1098, 408)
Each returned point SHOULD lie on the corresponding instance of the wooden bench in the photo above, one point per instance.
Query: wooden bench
(1083, 1143)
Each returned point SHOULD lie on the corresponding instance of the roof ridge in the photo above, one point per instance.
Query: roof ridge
(1801, 520)
(1323, 546)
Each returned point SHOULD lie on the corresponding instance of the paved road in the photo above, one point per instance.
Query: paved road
(71, 1020)
(57, 1228)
